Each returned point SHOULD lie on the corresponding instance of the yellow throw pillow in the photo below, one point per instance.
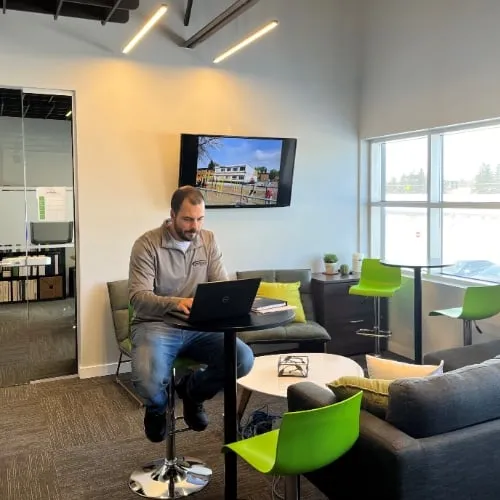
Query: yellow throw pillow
(375, 392)
(288, 292)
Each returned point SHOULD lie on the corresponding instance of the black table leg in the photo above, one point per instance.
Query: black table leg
(417, 313)
(230, 420)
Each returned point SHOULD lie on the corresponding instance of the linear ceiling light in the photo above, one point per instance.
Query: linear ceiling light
(247, 41)
(142, 32)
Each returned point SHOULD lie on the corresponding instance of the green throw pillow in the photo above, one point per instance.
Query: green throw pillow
(375, 392)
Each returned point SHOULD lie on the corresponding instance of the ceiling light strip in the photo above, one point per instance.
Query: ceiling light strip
(142, 32)
(247, 41)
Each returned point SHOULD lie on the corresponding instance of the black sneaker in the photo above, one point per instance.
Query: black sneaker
(194, 413)
(155, 425)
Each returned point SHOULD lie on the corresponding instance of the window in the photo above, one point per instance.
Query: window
(435, 197)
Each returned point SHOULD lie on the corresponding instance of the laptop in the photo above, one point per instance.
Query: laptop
(217, 300)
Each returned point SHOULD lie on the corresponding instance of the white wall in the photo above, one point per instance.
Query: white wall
(130, 111)
(429, 63)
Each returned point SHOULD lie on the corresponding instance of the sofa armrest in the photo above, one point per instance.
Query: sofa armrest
(307, 396)
(388, 460)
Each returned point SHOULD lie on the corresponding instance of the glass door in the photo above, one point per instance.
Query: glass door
(14, 336)
(48, 151)
(37, 257)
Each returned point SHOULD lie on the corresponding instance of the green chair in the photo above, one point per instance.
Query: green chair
(121, 313)
(306, 441)
(480, 302)
(377, 281)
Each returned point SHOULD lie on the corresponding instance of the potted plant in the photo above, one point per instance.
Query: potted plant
(331, 263)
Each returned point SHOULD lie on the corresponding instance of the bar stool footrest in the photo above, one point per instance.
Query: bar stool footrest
(383, 334)
(170, 479)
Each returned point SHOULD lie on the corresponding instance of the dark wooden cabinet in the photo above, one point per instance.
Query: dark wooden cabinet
(342, 314)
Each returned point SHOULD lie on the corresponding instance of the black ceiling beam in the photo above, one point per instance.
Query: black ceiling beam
(232, 12)
(109, 4)
(95, 10)
(187, 15)
(111, 12)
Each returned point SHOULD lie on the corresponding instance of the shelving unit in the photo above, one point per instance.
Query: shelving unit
(33, 282)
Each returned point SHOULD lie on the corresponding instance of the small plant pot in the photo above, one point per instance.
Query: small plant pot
(331, 267)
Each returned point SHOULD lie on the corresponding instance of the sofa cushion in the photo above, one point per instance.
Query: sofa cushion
(375, 392)
(289, 333)
(288, 292)
(389, 369)
(423, 407)
(458, 357)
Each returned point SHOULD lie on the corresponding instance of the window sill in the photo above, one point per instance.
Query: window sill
(453, 281)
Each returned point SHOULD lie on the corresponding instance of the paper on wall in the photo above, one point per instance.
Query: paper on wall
(51, 203)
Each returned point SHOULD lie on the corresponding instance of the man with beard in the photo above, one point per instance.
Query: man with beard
(166, 265)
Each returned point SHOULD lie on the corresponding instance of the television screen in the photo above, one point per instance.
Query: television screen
(233, 171)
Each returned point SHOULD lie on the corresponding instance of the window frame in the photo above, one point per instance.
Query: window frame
(434, 205)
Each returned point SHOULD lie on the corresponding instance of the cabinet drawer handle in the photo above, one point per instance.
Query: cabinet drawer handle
(356, 321)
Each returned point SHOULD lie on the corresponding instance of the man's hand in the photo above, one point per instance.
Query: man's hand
(184, 305)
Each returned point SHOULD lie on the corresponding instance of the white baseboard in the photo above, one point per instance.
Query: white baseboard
(102, 370)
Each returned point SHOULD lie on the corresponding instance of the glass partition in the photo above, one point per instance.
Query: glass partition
(36, 172)
(14, 338)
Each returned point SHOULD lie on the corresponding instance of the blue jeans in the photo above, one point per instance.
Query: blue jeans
(155, 346)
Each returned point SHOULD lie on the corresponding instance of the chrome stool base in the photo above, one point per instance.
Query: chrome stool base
(169, 479)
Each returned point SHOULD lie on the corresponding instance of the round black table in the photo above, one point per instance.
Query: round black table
(230, 327)
(417, 299)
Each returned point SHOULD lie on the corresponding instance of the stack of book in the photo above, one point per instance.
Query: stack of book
(263, 305)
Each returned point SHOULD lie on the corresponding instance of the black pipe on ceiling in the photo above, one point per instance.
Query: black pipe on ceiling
(58, 10)
(232, 12)
(187, 15)
(111, 12)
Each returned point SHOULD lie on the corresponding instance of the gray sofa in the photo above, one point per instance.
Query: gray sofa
(440, 440)
(465, 355)
(305, 337)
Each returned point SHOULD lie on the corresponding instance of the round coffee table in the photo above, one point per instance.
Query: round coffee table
(263, 377)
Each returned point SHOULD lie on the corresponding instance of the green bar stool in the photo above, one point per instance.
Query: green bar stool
(377, 281)
(171, 476)
(480, 302)
(306, 441)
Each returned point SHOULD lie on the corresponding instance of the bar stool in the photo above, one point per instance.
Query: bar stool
(480, 302)
(171, 476)
(377, 281)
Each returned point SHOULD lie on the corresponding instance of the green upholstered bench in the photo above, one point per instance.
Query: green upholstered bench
(298, 337)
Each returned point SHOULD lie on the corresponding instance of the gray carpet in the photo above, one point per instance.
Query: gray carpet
(79, 439)
(39, 344)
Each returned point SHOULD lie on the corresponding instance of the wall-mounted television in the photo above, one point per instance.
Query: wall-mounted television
(237, 171)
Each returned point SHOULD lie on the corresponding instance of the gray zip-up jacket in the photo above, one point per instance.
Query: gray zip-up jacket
(160, 273)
